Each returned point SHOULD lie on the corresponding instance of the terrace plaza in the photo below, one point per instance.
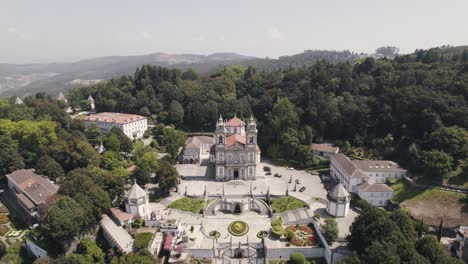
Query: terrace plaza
(208, 235)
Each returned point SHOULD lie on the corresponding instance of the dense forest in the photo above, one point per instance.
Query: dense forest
(412, 109)
(39, 134)
(390, 238)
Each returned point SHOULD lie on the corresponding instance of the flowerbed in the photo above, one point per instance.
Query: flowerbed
(300, 236)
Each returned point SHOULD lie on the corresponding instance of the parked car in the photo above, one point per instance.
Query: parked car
(266, 168)
(325, 178)
(278, 175)
(302, 189)
(298, 181)
(290, 168)
(268, 173)
(314, 173)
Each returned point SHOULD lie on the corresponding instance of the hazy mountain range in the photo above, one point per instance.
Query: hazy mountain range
(25, 79)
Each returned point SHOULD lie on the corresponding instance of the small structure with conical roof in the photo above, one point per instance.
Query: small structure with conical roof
(91, 103)
(18, 101)
(338, 201)
(137, 202)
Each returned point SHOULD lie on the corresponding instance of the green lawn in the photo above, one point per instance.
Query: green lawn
(186, 204)
(403, 191)
(142, 240)
(286, 203)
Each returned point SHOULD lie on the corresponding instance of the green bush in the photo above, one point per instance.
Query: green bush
(142, 240)
(297, 258)
(359, 203)
(277, 227)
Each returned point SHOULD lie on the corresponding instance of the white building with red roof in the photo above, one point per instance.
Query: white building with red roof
(134, 126)
(235, 153)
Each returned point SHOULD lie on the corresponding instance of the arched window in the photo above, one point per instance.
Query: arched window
(251, 140)
(220, 139)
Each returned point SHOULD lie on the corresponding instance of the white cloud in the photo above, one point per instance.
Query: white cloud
(275, 34)
(18, 33)
(199, 38)
(146, 35)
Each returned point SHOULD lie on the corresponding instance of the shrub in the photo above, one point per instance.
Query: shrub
(289, 234)
(317, 216)
(142, 240)
(4, 219)
(238, 228)
(262, 234)
(277, 227)
(330, 229)
(297, 258)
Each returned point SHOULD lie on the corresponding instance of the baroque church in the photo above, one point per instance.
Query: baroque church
(235, 153)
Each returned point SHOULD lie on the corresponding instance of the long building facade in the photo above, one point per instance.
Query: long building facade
(235, 154)
(134, 126)
(366, 177)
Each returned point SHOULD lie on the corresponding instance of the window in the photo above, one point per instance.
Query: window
(220, 140)
(251, 171)
(251, 140)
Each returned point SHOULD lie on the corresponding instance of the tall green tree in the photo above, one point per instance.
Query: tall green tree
(64, 219)
(49, 167)
(10, 158)
(93, 134)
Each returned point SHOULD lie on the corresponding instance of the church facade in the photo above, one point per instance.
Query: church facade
(235, 154)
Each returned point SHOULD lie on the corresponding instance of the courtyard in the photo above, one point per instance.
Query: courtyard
(197, 177)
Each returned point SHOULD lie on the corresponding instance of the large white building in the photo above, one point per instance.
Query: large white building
(366, 177)
(29, 191)
(235, 153)
(134, 126)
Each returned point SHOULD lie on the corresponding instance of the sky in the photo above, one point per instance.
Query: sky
(69, 30)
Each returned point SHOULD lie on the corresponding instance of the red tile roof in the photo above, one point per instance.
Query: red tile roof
(116, 118)
(120, 215)
(132, 168)
(235, 138)
(37, 187)
(235, 122)
(329, 148)
(168, 243)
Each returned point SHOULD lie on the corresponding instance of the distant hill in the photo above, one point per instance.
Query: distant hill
(306, 58)
(17, 79)
(25, 79)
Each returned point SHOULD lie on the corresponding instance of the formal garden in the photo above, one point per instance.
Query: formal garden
(301, 236)
(8, 229)
(286, 203)
(190, 205)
